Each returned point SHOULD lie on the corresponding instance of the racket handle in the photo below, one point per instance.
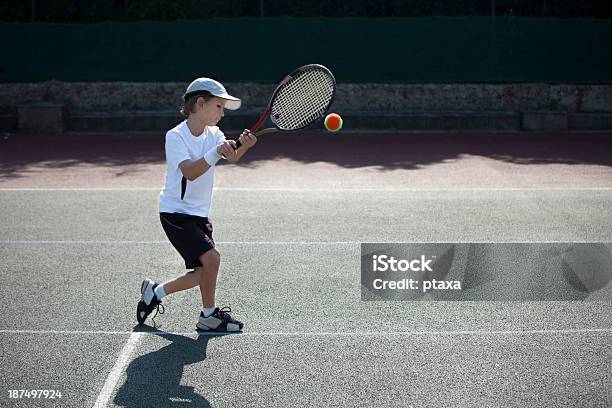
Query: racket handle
(261, 132)
(252, 130)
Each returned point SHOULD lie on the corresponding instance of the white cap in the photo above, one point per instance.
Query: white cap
(206, 86)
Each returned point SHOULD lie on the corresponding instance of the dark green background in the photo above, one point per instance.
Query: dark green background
(428, 49)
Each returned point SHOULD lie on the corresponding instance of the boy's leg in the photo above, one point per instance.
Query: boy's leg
(211, 259)
(207, 275)
(219, 320)
(183, 282)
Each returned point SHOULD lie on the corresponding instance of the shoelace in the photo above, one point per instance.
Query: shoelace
(158, 311)
(224, 313)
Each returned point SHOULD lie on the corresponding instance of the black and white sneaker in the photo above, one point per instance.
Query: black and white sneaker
(219, 321)
(148, 301)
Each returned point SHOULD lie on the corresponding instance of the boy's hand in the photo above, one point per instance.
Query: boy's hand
(247, 139)
(227, 150)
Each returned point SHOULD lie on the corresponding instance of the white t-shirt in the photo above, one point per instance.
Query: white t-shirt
(181, 145)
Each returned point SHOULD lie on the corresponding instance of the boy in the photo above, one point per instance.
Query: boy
(193, 148)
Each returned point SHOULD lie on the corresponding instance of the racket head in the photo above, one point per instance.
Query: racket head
(302, 97)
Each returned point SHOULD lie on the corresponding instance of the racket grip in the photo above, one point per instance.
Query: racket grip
(261, 132)
(238, 144)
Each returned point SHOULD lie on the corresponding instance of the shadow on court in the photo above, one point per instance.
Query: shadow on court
(387, 151)
(19, 152)
(390, 151)
(154, 379)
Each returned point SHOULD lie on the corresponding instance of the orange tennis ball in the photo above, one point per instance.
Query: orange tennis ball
(333, 122)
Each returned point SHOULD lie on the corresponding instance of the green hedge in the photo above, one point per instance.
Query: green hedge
(435, 49)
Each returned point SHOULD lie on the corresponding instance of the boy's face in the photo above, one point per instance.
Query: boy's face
(211, 111)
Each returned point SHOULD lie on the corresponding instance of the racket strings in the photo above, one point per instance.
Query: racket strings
(297, 112)
(308, 99)
(303, 99)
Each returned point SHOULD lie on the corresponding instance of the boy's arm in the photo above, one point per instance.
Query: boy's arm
(248, 140)
(192, 169)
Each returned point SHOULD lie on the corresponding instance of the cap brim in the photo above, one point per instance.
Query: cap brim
(232, 103)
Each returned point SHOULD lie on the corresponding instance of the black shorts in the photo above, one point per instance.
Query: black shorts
(190, 235)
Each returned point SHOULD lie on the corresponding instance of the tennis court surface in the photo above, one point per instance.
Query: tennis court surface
(79, 231)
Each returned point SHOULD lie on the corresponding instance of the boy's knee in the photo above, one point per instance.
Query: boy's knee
(211, 258)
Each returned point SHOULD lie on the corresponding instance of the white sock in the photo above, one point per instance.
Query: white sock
(208, 311)
(160, 292)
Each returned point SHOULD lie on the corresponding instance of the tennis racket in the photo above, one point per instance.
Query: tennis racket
(302, 98)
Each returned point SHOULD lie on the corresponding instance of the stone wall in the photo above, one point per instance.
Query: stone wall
(123, 96)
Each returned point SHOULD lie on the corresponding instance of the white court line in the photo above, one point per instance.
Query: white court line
(410, 189)
(326, 190)
(88, 332)
(85, 242)
(314, 243)
(322, 333)
(77, 242)
(82, 189)
(118, 368)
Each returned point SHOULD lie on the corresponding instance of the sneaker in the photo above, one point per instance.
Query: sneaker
(219, 321)
(144, 309)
